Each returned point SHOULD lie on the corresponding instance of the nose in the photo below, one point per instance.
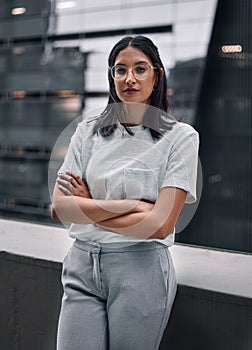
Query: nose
(130, 76)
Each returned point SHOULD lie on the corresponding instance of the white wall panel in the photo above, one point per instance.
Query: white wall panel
(197, 32)
(98, 61)
(147, 2)
(99, 45)
(68, 24)
(96, 80)
(101, 20)
(194, 10)
(91, 4)
(150, 15)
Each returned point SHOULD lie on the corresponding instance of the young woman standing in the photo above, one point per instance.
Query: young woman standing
(123, 183)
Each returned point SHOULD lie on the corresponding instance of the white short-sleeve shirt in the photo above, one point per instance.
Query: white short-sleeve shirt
(122, 166)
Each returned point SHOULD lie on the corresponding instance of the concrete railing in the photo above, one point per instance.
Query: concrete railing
(212, 309)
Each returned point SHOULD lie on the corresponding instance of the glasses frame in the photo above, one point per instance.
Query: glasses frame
(127, 72)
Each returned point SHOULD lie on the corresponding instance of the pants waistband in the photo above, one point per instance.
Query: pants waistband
(95, 247)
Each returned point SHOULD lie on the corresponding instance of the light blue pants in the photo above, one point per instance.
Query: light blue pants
(115, 298)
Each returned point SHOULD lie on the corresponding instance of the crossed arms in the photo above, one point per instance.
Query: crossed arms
(72, 202)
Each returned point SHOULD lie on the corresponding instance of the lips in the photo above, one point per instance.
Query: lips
(130, 91)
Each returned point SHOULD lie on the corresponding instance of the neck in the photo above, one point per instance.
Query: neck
(134, 113)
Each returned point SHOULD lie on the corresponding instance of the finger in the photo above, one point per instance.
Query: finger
(64, 190)
(64, 177)
(65, 184)
(76, 177)
(68, 179)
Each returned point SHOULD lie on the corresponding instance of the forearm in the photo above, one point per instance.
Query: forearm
(87, 210)
(143, 225)
(159, 222)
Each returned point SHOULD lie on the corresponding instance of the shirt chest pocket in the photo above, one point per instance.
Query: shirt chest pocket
(141, 183)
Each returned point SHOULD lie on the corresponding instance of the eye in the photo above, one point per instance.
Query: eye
(141, 69)
(119, 70)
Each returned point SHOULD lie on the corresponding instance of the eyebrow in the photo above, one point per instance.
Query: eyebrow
(140, 62)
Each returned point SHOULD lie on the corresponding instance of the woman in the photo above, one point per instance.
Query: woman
(123, 184)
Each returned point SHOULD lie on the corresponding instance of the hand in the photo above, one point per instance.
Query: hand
(144, 206)
(72, 185)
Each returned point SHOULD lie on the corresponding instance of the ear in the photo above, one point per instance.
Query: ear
(161, 70)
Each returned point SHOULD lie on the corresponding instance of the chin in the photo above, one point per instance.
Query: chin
(131, 99)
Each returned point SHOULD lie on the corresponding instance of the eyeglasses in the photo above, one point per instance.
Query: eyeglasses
(140, 71)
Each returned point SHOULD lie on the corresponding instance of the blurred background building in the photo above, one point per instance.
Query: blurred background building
(53, 68)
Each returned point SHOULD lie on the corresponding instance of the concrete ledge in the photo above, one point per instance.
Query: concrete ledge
(212, 310)
(219, 271)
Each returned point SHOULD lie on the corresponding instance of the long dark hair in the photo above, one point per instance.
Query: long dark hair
(109, 118)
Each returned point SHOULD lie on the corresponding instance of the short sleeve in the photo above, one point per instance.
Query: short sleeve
(182, 164)
(78, 151)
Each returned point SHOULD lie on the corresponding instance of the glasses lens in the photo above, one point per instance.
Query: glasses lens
(118, 72)
(141, 71)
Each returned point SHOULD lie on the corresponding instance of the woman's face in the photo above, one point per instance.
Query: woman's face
(131, 86)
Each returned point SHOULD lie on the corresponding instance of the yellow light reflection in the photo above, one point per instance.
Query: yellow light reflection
(231, 48)
(18, 94)
(18, 11)
(66, 93)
